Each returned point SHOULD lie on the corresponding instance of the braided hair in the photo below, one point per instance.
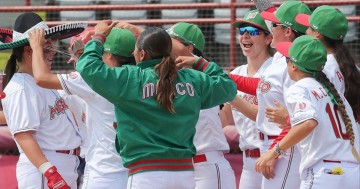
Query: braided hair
(337, 100)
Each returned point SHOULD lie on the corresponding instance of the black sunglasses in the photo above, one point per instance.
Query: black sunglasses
(287, 60)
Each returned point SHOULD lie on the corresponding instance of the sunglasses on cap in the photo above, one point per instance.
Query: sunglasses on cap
(274, 24)
(252, 31)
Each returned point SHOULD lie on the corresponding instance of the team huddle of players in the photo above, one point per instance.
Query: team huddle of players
(143, 107)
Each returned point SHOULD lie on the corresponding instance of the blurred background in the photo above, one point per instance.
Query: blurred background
(213, 17)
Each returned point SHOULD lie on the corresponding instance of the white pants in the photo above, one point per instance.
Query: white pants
(287, 174)
(317, 178)
(94, 180)
(215, 173)
(29, 177)
(250, 179)
(162, 180)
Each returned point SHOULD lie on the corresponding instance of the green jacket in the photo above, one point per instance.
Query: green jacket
(147, 134)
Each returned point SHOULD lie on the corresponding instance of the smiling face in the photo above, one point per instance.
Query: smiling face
(253, 42)
(49, 53)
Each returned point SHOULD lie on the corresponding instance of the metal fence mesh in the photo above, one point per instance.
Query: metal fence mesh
(217, 34)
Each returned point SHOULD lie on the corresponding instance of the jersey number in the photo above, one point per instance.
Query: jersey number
(336, 125)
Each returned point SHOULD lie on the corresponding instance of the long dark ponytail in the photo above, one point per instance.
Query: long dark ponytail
(11, 66)
(350, 72)
(157, 44)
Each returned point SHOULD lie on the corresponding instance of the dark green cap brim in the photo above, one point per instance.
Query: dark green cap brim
(242, 23)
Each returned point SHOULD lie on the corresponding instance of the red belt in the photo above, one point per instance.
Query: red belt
(75, 151)
(262, 136)
(199, 158)
(331, 161)
(252, 153)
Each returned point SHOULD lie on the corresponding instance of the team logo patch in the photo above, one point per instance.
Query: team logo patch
(251, 16)
(300, 107)
(73, 75)
(59, 108)
(264, 86)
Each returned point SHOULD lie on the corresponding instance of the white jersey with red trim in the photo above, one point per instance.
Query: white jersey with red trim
(209, 135)
(101, 155)
(28, 107)
(307, 99)
(274, 82)
(249, 134)
(332, 71)
(78, 109)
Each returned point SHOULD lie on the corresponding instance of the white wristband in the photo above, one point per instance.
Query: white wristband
(44, 167)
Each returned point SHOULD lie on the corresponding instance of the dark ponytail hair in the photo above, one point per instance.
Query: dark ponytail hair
(122, 60)
(156, 42)
(350, 72)
(11, 66)
(321, 77)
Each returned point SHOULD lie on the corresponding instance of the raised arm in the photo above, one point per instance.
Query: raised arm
(97, 74)
(245, 84)
(41, 71)
(216, 86)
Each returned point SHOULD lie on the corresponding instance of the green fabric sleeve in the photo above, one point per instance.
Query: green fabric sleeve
(216, 86)
(107, 82)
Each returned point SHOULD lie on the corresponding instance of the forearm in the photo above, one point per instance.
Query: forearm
(297, 133)
(249, 110)
(31, 148)
(42, 75)
(245, 84)
(2, 118)
(226, 116)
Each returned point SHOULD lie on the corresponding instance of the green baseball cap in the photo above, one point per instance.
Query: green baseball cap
(120, 42)
(327, 20)
(286, 14)
(252, 18)
(189, 34)
(306, 52)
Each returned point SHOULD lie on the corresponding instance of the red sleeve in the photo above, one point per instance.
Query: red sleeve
(280, 137)
(246, 84)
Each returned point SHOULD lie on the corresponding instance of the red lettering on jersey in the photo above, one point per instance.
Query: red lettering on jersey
(250, 98)
(323, 92)
(340, 76)
(83, 117)
(59, 108)
(316, 95)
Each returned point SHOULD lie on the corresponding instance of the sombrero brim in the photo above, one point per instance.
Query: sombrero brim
(5, 35)
(56, 33)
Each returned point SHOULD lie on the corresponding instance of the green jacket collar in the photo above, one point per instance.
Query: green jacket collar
(149, 63)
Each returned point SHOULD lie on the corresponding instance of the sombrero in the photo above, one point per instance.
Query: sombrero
(26, 22)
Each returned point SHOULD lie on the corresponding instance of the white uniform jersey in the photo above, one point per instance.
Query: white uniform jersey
(28, 107)
(274, 82)
(249, 134)
(307, 99)
(209, 135)
(101, 155)
(78, 108)
(332, 71)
